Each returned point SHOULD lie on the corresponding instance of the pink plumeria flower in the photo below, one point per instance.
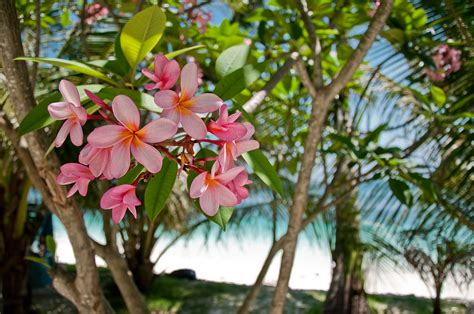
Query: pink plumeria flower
(99, 160)
(126, 137)
(70, 110)
(77, 174)
(211, 189)
(183, 108)
(164, 75)
(225, 126)
(232, 150)
(237, 186)
(119, 199)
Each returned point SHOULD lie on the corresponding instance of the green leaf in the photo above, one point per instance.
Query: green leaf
(264, 170)
(159, 188)
(235, 82)
(131, 175)
(39, 116)
(141, 34)
(222, 217)
(176, 53)
(51, 245)
(401, 190)
(38, 260)
(231, 60)
(73, 66)
(439, 97)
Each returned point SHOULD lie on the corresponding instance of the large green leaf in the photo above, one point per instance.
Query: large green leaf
(39, 116)
(235, 82)
(401, 190)
(159, 188)
(176, 53)
(141, 34)
(264, 170)
(73, 66)
(231, 60)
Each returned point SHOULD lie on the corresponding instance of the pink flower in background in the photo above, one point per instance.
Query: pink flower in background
(225, 126)
(94, 12)
(99, 160)
(165, 73)
(202, 19)
(77, 174)
(211, 189)
(183, 108)
(237, 186)
(233, 149)
(70, 110)
(126, 137)
(447, 60)
(119, 199)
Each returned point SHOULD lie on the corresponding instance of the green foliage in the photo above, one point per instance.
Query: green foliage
(131, 175)
(75, 66)
(141, 34)
(264, 170)
(235, 82)
(159, 188)
(231, 60)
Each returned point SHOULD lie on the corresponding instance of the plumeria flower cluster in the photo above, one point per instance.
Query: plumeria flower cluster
(184, 124)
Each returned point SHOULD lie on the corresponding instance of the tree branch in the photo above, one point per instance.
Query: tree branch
(259, 96)
(305, 79)
(315, 43)
(359, 53)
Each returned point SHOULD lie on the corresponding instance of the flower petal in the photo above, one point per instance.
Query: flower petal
(59, 110)
(107, 135)
(166, 99)
(204, 103)
(224, 196)
(70, 93)
(189, 81)
(130, 198)
(149, 74)
(63, 133)
(157, 131)
(126, 112)
(198, 186)
(76, 134)
(82, 186)
(118, 213)
(170, 74)
(209, 203)
(147, 155)
(171, 114)
(121, 159)
(73, 190)
(159, 64)
(192, 124)
(246, 146)
(229, 175)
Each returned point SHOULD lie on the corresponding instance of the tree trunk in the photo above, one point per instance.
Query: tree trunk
(437, 301)
(83, 290)
(120, 272)
(346, 293)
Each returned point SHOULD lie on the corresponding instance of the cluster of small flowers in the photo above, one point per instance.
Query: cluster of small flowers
(447, 60)
(107, 154)
(94, 12)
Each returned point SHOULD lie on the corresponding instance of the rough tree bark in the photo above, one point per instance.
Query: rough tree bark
(346, 293)
(320, 106)
(83, 289)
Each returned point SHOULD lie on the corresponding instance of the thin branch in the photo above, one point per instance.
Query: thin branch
(304, 76)
(315, 43)
(258, 97)
(345, 75)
